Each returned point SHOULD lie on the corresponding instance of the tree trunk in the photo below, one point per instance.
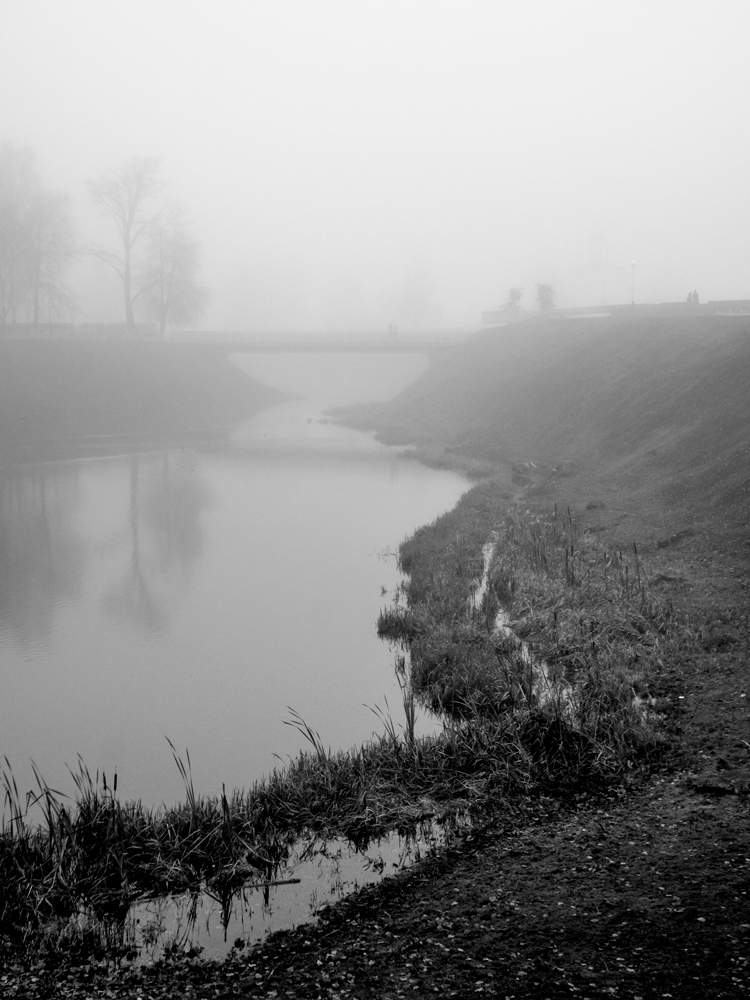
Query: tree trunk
(36, 302)
(129, 316)
(126, 283)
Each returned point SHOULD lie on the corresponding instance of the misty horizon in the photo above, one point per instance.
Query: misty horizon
(349, 168)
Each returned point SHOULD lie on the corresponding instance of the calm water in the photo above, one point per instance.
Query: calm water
(198, 594)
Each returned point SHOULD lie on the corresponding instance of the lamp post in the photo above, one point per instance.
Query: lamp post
(632, 283)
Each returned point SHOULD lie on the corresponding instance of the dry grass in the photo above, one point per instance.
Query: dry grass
(590, 626)
(68, 881)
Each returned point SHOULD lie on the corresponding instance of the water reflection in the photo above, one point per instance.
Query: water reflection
(173, 504)
(47, 543)
(163, 542)
(197, 594)
(42, 554)
(319, 873)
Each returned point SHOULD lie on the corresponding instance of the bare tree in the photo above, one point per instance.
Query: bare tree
(170, 289)
(36, 240)
(126, 196)
(50, 250)
(17, 185)
(545, 297)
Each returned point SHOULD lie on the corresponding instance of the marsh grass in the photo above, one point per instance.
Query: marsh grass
(67, 881)
(558, 605)
(71, 869)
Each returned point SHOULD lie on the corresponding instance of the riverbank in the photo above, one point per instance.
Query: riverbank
(643, 414)
(631, 886)
(636, 888)
(82, 398)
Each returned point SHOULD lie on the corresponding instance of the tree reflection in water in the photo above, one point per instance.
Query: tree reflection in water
(165, 537)
(42, 555)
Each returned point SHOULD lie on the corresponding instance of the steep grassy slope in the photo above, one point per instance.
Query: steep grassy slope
(663, 398)
(52, 392)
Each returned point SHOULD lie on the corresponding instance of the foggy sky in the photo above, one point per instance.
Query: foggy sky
(352, 164)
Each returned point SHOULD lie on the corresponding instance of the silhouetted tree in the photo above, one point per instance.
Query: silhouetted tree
(36, 240)
(545, 297)
(51, 249)
(17, 182)
(170, 289)
(126, 196)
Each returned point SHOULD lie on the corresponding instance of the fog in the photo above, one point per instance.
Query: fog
(353, 165)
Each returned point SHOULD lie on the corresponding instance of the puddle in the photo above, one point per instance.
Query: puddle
(545, 687)
(321, 874)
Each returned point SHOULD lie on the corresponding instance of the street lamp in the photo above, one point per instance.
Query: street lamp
(632, 282)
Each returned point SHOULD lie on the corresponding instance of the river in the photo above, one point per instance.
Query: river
(201, 593)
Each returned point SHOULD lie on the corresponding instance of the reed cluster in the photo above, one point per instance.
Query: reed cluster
(68, 882)
(561, 616)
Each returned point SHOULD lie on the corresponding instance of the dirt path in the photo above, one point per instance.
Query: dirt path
(646, 897)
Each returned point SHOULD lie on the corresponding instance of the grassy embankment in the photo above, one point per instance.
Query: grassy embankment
(585, 601)
(79, 398)
(641, 426)
(644, 415)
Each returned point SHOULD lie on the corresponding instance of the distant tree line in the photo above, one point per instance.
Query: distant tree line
(152, 251)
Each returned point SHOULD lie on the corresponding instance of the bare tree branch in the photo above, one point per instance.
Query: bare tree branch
(171, 292)
(126, 197)
(36, 240)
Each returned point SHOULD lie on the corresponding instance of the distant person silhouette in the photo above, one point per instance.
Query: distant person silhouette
(696, 300)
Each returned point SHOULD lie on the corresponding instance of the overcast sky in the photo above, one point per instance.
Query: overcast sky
(352, 164)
